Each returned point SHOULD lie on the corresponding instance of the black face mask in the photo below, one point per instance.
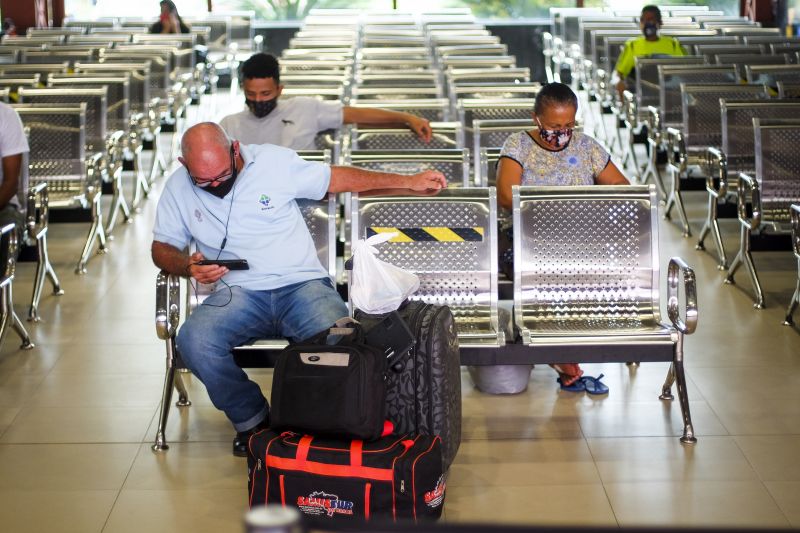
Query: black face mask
(650, 29)
(222, 189)
(261, 108)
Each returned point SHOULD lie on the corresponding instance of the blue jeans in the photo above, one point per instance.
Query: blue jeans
(229, 318)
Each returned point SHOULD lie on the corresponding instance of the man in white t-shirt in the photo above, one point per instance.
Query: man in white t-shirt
(13, 145)
(237, 201)
(296, 121)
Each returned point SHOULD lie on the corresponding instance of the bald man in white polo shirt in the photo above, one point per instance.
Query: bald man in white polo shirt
(294, 122)
(237, 201)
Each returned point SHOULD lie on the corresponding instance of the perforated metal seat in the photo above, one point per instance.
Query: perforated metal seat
(320, 218)
(453, 163)
(450, 243)
(492, 134)
(773, 190)
(446, 135)
(586, 279)
(770, 75)
(788, 90)
(395, 93)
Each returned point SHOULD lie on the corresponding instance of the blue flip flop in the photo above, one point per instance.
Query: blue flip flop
(594, 385)
(577, 386)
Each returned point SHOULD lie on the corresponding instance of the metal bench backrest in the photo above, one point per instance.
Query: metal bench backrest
(433, 109)
(721, 49)
(670, 79)
(453, 163)
(476, 61)
(690, 43)
(50, 56)
(477, 109)
(118, 95)
(327, 92)
(449, 241)
(647, 76)
(702, 121)
(777, 168)
(160, 67)
(585, 259)
(43, 69)
(786, 48)
(446, 135)
(96, 109)
(138, 74)
(476, 49)
(772, 74)
(737, 128)
(288, 65)
(12, 84)
(490, 75)
(320, 217)
(486, 166)
(394, 93)
(388, 65)
(390, 79)
(493, 91)
(788, 90)
(751, 59)
(57, 140)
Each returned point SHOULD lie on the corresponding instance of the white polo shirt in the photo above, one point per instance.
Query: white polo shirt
(259, 215)
(293, 123)
(12, 142)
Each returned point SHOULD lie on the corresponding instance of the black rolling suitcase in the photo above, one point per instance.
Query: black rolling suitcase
(395, 478)
(423, 393)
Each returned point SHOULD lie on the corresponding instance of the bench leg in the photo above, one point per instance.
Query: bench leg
(172, 379)
(745, 257)
(118, 204)
(96, 232)
(789, 320)
(675, 200)
(44, 269)
(159, 166)
(651, 169)
(712, 225)
(7, 313)
(142, 187)
(676, 375)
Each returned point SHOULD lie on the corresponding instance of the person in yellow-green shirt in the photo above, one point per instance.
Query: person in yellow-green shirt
(649, 45)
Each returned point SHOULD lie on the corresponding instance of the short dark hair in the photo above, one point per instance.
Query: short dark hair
(554, 94)
(261, 65)
(651, 9)
(170, 5)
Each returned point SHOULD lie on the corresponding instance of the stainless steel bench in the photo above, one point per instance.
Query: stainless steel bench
(737, 155)
(587, 282)
(771, 192)
(471, 109)
(58, 157)
(701, 128)
(453, 163)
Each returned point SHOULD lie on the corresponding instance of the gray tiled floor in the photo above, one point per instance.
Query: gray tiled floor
(77, 415)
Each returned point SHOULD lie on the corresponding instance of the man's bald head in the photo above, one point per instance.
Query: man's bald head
(206, 149)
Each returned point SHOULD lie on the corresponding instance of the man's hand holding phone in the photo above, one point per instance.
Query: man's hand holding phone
(208, 273)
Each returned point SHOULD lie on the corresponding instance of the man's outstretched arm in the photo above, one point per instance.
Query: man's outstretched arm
(352, 179)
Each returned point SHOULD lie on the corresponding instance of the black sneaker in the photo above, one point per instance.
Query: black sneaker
(242, 438)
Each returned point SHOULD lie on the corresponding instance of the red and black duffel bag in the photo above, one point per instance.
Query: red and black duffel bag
(393, 478)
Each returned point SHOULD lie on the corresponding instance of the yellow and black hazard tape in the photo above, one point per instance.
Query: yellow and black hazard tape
(430, 234)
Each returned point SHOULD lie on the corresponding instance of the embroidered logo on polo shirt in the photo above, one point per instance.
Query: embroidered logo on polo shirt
(264, 201)
(198, 215)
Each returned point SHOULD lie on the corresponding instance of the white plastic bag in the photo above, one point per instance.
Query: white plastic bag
(378, 287)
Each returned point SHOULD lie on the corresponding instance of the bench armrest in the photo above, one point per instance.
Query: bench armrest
(629, 109)
(675, 143)
(38, 212)
(716, 165)
(794, 211)
(168, 307)
(653, 124)
(678, 272)
(748, 186)
(95, 167)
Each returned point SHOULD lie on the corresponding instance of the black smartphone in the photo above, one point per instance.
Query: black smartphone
(230, 264)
